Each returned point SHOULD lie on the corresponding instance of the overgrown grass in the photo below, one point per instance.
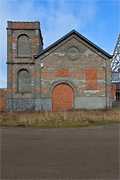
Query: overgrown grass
(60, 119)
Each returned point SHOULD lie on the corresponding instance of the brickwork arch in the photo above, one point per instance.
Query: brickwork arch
(64, 81)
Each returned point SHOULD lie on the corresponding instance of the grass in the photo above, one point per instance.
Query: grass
(60, 119)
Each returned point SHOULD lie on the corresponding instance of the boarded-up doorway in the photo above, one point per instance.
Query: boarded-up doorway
(62, 97)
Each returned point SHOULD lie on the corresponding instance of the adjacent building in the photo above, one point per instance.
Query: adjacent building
(115, 64)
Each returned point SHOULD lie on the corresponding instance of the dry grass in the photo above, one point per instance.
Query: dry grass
(60, 119)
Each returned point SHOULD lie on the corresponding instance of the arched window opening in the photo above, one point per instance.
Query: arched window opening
(24, 81)
(23, 46)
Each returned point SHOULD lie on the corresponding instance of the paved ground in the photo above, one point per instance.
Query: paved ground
(63, 154)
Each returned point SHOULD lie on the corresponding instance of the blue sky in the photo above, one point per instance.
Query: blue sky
(98, 20)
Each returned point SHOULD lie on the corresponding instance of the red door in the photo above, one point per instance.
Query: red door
(62, 98)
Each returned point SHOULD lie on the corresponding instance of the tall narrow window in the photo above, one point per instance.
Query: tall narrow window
(119, 75)
(23, 81)
(118, 92)
(91, 79)
(23, 46)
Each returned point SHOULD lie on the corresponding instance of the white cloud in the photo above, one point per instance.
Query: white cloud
(57, 18)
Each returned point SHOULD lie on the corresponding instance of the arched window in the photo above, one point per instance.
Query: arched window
(23, 81)
(23, 46)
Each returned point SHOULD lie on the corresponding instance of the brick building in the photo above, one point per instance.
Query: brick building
(3, 98)
(116, 87)
(115, 64)
(72, 73)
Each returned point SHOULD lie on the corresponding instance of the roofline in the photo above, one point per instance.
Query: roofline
(81, 36)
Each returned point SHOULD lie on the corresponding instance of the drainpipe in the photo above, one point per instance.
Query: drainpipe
(106, 84)
(105, 70)
(41, 66)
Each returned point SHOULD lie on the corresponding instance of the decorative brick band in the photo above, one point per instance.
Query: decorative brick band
(23, 25)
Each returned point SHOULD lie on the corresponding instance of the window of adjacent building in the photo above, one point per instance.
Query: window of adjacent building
(118, 73)
(23, 81)
(91, 79)
(118, 92)
(23, 46)
(116, 76)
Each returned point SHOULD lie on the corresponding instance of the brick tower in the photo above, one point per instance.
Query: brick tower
(24, 40)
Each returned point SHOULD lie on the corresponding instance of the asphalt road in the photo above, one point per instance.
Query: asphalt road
(60, 154)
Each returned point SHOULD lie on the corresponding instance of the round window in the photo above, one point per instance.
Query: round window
(73, 53)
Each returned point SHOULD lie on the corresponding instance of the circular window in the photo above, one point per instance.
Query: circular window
(73, 53)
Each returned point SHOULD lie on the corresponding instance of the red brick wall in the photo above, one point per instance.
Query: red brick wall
(113, 91)
(23, 25)
(91, 79)
(3, 93)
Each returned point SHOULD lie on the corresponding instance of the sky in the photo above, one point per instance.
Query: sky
(97, 20)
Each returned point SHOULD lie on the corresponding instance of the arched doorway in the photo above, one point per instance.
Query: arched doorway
(62, 97)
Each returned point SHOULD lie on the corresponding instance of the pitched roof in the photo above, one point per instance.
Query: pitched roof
(73, 32)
